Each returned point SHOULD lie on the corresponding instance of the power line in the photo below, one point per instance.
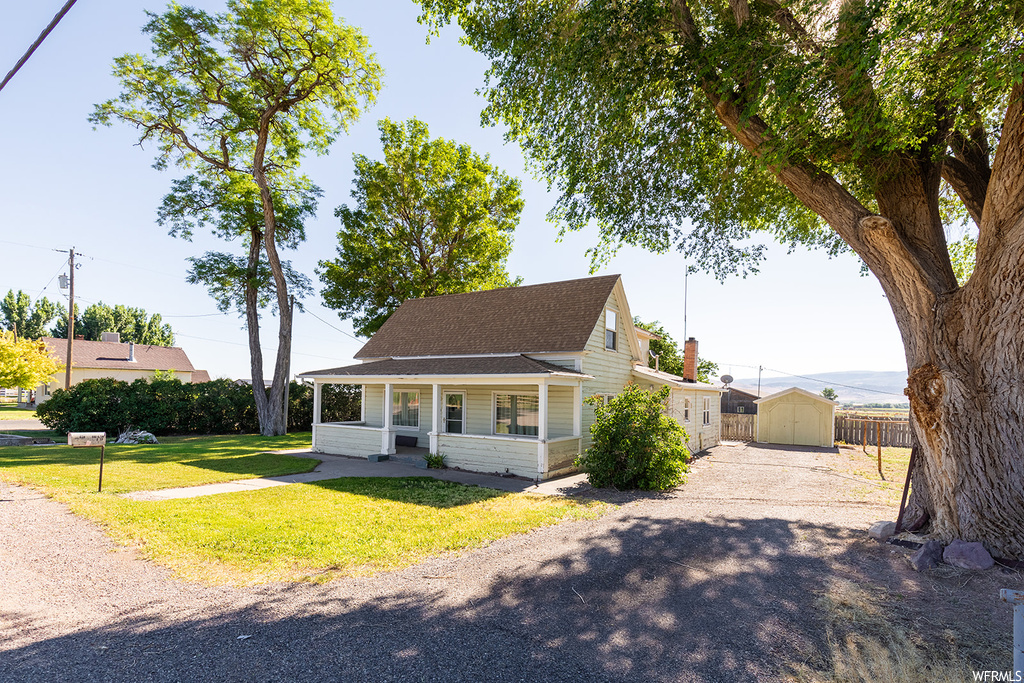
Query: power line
(332, 326)
(814, 379)
(265, 348)
(39, 41)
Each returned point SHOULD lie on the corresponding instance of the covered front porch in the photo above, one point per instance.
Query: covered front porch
(526, 424)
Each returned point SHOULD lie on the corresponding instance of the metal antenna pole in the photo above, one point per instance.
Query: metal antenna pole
(686, 275)
(71, 319)
(759, 369)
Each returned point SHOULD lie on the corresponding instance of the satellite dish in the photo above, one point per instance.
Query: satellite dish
(726, 379)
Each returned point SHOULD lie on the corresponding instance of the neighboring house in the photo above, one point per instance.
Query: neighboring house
(738, 401)
(495, 380)
(126, 362)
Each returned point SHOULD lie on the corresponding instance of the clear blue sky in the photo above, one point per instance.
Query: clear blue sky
(64, 184)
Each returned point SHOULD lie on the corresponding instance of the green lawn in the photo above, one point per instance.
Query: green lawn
(11, 411)
(176, 461)
(296, 532)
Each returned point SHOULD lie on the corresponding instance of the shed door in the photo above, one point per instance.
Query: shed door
(806, 425)
(780, 421)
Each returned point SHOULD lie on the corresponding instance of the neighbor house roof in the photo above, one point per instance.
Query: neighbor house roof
(551, 317)
(114, 355)
(475, 365)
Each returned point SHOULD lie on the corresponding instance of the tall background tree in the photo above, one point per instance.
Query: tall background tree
(133, 324)
(238, 98)
(698, 124)
(670, 359)
(25, 319)
(432, 218)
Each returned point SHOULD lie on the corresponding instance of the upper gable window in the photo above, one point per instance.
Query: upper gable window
(611, 321)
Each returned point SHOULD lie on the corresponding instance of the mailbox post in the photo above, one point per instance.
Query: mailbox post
(90, 440)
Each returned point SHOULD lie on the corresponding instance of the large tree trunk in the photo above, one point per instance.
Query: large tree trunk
(252, 320)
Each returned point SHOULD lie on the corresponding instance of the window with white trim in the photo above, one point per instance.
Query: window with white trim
(611, 321)
(707, 410)
(405, 409)
(686, 410)
(516, 414)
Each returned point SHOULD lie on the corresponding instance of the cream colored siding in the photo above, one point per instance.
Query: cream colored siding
(374, 408)
(559, 412)
(517, 456)
(701, 436)
(346, 440)
(611, 370)
(562, 453)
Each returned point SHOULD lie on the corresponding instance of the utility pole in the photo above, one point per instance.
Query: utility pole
(759, 369)
(71, 318)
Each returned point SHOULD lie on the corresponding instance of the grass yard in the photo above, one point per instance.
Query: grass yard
(11, 411)
(320, 531)
(312, 531)
(853, 460)
(177, 461)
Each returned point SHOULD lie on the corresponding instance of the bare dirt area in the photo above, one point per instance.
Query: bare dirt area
(758, 569)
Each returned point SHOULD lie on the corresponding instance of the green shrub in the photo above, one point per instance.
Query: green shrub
(636, 446)
(435, 461)
(338, 403)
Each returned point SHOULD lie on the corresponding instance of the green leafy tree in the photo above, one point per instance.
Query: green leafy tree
(697, 125)
(830, 393)
(238, 98)
(670, 359)
(432, 218)
(25, 363)
(636, 445)
(133, 324)
(23, 318)
(232, 209)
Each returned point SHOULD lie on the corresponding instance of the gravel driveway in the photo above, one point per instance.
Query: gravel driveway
(715, 582)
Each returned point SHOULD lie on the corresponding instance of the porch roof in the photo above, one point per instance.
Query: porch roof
(482, 366)
(672, 380)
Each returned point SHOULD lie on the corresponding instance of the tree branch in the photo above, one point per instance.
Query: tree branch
(1004, 201)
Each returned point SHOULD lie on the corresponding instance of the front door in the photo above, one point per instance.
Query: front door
(455, 413)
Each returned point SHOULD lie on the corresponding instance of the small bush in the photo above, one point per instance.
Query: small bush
(636, 445)
(435, 461)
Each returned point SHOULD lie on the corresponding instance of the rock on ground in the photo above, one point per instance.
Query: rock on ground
(967, 555)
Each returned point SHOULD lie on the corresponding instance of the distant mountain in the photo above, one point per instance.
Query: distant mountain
(853, 386)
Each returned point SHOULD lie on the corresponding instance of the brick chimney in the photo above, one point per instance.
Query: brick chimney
(690, 360)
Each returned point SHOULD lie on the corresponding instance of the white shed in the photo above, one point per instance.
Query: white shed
(796, 416)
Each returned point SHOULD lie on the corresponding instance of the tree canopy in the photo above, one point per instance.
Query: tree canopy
(432, 218)
(25, 319)
(862, 125)
(238, 98)
(25, 363)
(133, 324)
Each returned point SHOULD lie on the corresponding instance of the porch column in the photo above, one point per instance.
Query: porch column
(386, 433)
(317, 386)
(435, 420)
(542, 428)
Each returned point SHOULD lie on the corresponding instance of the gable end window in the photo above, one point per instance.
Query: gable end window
(611, 321)
(405, 409)
(686, 410)
(707, 410)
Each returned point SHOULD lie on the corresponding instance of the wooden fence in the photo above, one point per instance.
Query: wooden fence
(739, 426)
(858, 430)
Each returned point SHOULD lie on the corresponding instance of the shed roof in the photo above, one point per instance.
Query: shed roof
(476, 365)
(114, 355)
(550, 317)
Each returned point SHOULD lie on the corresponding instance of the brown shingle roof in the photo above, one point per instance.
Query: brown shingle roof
(556, 316)
(479, 365)
(114, 355)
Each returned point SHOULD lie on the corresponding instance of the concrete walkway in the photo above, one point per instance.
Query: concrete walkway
(337, 466)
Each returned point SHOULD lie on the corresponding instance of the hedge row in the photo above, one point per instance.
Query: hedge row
(167, 406)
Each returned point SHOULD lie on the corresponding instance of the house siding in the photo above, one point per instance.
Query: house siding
(346, 440)
(373, 405)
(701, 436)
(516, 456)
(611, 370)
(563, 453)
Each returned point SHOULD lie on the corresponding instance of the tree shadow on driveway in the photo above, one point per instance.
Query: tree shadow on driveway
(641, 599)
